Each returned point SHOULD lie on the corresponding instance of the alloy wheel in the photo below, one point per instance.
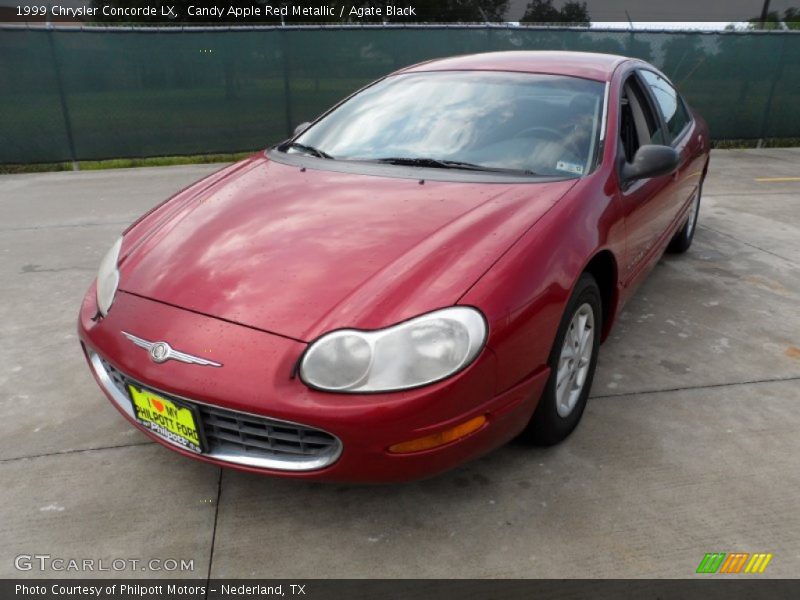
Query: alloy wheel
(574, 360)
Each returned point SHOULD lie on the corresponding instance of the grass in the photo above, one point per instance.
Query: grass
(766, 143)
(125, 163)
(197, 159)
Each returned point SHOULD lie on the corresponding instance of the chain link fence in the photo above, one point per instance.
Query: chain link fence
(95, 93)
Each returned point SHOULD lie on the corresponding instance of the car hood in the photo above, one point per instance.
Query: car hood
(298, 252)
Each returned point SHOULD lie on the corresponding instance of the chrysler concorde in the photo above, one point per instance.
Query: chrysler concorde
(421, 274)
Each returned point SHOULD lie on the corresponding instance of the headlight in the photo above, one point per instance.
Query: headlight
(108, 278)
(413, 353)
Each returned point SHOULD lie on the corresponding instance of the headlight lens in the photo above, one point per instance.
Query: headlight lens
(108, 278)
(413, 353)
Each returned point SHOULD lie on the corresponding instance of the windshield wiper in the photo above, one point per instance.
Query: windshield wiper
(306, 149)
(440, 163)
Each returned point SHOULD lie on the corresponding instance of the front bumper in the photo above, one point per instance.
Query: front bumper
(233, 436)
(257, 379)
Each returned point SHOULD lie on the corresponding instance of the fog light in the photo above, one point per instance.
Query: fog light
(441, 438)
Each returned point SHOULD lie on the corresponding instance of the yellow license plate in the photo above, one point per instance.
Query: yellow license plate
(166, 418)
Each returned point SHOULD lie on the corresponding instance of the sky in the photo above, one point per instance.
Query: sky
(660, 11)
(679, 25)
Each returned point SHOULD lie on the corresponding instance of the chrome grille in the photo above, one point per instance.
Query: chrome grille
(116, 376)
(239, 437)
(229, 430)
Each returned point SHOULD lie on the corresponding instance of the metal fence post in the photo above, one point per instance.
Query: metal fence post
(62, 97)
(490, 41)
(287, 91)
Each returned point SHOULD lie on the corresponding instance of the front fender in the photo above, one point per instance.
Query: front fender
(524, 294)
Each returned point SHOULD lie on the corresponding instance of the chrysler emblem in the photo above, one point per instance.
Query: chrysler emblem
(162, 352)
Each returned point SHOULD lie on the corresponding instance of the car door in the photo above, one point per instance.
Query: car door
(680, 132)
(645, 202)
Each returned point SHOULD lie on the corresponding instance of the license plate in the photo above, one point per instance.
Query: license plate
(166, 418)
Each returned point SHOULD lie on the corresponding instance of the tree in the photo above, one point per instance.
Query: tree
(543, 11)
(791, 18)
(575, 13)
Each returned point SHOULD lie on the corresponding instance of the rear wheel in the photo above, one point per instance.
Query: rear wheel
(572, 364)
(683, 238)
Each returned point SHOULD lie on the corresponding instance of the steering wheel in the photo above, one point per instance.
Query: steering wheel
(553, 134)
(548, 131)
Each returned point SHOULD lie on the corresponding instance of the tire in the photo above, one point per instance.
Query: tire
(683, 238)
(560, 409)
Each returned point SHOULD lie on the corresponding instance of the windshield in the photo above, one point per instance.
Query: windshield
(539, 124)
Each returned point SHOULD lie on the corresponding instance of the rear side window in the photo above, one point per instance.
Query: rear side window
(669, 101)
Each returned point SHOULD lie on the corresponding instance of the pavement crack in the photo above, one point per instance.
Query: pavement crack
(759, 248)
(75, 451)
(34, 268)
(697, 387)
(64, 226)
(760, 193)
(213, 533)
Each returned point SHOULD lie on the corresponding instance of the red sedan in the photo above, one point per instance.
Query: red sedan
(415, 278)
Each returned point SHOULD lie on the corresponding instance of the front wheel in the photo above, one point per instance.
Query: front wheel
(683, 238)
(572, 364)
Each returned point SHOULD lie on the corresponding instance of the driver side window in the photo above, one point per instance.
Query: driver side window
(638, 123)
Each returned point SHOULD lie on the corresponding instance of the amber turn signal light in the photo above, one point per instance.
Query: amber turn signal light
(439, 439)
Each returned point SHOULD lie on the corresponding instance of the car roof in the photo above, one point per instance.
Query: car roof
(588, 65)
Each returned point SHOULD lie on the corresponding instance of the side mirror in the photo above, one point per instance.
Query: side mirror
(651, 161)
(301, 128)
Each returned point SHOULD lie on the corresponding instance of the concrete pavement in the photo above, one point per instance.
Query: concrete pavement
(690, 443)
